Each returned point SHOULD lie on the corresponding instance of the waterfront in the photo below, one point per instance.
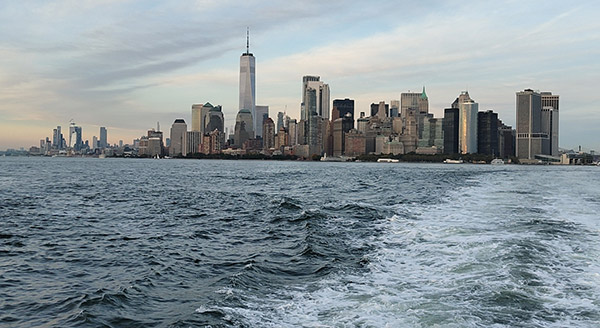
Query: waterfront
(117, 242)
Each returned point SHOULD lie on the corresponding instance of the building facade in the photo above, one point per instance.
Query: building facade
(487, 133)
(248, 84)
(467, 126)
(530, 139)
(178, 138)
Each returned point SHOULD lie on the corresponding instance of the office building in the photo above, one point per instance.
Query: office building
(213, 119)
(197, 122)
(315, 98)
(248, 84)
(530, 139)
(243, 128)
(262, 112)
(279, 121)
(193, 142)
(414, 100)
(178, 138)
(268, 134)
(451, 122)
(75, 141)
(487, 133)
(550, 121)
(103, 139)
(342, 107)
(467, 126)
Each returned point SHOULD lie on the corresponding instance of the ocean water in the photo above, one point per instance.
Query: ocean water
(202, 243)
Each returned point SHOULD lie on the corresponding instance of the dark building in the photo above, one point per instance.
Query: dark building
(375, 109)
(487, 133)
(450, 127)
(506, 140)
(343, 107)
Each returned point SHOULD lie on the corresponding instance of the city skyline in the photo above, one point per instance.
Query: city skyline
(111, 74)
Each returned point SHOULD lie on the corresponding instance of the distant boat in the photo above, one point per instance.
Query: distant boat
(497, 161)
(335, 158)
(330, 158)
(453, 161)
(387, 160)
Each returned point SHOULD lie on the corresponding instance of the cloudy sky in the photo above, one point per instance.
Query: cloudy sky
(128, 64)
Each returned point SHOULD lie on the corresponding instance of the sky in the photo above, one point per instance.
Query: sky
(129, 64)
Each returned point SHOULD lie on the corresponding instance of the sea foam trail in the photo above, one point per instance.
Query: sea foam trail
(501, 252)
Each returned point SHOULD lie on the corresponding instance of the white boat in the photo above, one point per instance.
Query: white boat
(497, 161)
(453, 161)
(387, 160)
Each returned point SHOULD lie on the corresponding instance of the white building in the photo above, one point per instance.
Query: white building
(248, 83)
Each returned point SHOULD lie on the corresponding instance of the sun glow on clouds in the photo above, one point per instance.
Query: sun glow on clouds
(128, 64)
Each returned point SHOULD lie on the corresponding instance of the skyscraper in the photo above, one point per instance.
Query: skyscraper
(243, 127)
(451, 130)
(414, 100)
(75, 141)
(213, 119)
(342, 107)
(247, 83)
(262, 112)
(268, 134)
(315, 97)
(487, 133)
(531, 139)
(467, 126)
(178, 138)
(550, 121)
(279, 121)
(197, 119)
(103, 137)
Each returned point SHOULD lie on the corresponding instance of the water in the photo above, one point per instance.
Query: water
(188, 243)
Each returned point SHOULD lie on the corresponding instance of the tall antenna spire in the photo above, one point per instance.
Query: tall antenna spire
(247, 40)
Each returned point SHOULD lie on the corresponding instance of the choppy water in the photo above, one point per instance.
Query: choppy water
(143, 243)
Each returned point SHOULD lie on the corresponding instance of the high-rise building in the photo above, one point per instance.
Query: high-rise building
(467, 126)
(376, 109)
(550, 121)
(293, 132)
(414, 100)
(103, 137)
(315, 97)
(395, 108)
(262, 112)
(506, 140)
(487, 133)
(75, 141)
(57, 138)
(342, 107)
(531, 140)
(197, 119)
(248, 84)
(268, 134)
(451, 123)
(433, 133)
(243, 127)
(341, 127)
(94, 144)
(193, 142)
(178, 138)
(279, 121)
(213, 119)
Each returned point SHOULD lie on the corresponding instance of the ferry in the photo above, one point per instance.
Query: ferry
(453, 161)
(388, 160)
(497, 161)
